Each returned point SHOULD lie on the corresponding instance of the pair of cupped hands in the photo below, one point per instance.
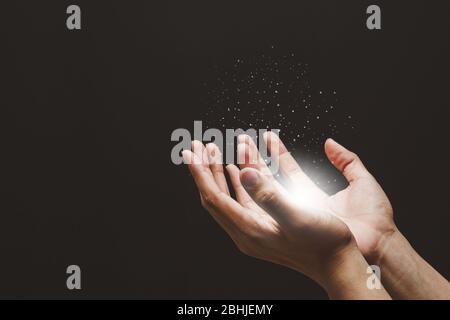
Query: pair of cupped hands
(324, 237)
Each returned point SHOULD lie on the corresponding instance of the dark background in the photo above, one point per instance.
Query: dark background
(86, 118)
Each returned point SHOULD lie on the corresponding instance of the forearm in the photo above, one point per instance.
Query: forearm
(406, 275)
(347, 279)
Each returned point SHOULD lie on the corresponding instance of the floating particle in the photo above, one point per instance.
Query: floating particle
(271, 88)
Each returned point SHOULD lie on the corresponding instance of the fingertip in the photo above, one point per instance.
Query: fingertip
(196, 147)
(332, 147)
(330, 141)
(242, 138)
(274, 142)
(270, 134)
(247, 155)
(187, 156)
(245, 139)
(197, 143)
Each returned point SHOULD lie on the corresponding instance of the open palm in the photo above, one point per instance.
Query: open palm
(271, 222)
(363, 205)
(265, 221)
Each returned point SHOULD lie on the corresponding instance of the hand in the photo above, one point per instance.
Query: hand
(366, 210)
(265, 222)
(363, 205)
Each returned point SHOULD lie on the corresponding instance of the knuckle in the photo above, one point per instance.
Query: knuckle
(354, 157)
(208, 201)
(248, 241)
(249, 235)
(352, 161)
(245, 249)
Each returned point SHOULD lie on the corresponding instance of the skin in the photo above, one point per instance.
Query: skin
(327, 238)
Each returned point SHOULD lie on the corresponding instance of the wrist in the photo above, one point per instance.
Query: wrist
(406, 275)
(346, 277)
(389, 244)
(396, 259)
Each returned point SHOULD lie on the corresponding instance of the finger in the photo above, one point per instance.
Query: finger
(199, 157)
(252, 158)
(241, 195)
(268, 197)
(216, 166)
(345, 161)
(287, 164)
(200, 152)
(225, 210)
(246, 158)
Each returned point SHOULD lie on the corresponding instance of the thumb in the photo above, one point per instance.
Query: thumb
(270, 198)
(345, 161)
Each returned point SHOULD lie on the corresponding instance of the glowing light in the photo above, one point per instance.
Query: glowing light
(305, 196)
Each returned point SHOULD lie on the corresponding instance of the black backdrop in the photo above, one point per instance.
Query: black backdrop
(86, 118)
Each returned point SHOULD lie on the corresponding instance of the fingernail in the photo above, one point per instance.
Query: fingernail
(211, 149)
(333, 141)
(250, 178)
